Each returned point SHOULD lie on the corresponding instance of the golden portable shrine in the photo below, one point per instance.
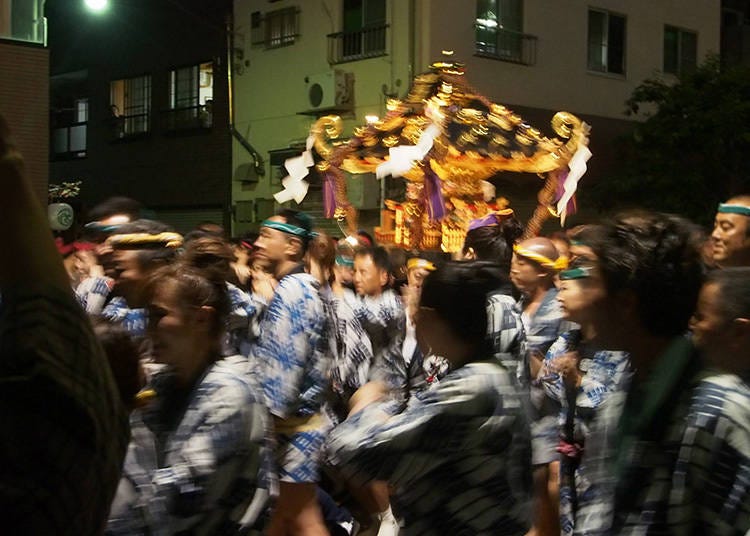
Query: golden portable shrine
(445, 140)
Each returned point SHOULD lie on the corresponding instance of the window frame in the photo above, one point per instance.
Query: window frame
(606, 45)
(681, 69)
(125, 125)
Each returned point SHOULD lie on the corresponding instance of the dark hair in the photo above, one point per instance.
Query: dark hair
(362, 234)
(323, 250)
(124, 360)
(151, 256)
(194, 288)
(494, 242)
(301, 220)
(211, 253)
(379, 255)
(734, 291)
(211, 228)
(458, 293)
(116, 205)
(656, 257)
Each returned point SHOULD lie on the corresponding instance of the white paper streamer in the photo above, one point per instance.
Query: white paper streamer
(577, 166)
(298, 167)
(402, 157)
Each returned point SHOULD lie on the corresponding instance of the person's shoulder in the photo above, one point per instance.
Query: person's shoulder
(232, 377)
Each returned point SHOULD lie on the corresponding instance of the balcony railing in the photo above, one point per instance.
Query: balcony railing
(359, 45)
(128, 126)
(505, 45)
(187, 118)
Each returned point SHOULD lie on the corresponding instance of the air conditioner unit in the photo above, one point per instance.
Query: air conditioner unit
(333, 89)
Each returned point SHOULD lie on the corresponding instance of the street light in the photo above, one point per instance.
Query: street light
(97, 6)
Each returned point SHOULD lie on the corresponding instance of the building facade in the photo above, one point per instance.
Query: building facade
(296, 61)
(24, 82)
(140, 105)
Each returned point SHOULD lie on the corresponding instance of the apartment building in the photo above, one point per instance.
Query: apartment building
(24, 67)
(298, 60)
(140, 105)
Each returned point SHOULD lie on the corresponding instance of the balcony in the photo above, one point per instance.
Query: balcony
(125, 127)
(187, 118)
(505, 45)
(353, 46)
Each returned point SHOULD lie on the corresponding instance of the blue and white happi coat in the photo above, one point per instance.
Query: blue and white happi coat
(93, 292)
(208, 471)
(134, 321)
(542, 330)
(293, 360)
(505, 332)
(679, 465)
(458, 455)
(384, 320)
(603, 372)
(354, 352)
(243, 324)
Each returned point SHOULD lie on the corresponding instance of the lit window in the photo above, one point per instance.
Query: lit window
(680, 50)
(499, 29)
(130, 106)
(606, 53)
(191, 94)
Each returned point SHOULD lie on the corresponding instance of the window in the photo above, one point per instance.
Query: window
(130, 106)
(680, 50)
(606, 52)
(69, 130)
(275, 29)
(499, 27)
(364, 28)
(281, 27)
(191, 93)
(69, 115)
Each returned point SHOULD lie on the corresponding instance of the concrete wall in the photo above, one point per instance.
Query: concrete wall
(24, 88)
(559, 80)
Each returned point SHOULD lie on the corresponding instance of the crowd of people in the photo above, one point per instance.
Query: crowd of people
(593, 382)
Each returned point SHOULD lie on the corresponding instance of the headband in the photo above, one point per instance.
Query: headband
(288, 228)
(344, 261)
(145, 240)
(98, 227)
(560, 264)
(493, 218)
(733, 209)
(579, 272)
(420, 263)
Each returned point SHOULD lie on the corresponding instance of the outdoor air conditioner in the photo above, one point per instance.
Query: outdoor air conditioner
(333, 89)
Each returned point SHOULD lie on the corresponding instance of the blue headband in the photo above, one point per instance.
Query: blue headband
(344, 261)
(289, 229)
(733, 209)
(580, 272)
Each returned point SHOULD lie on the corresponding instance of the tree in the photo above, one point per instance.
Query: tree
(691, 151)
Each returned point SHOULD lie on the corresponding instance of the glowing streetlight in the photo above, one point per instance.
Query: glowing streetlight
(97, 6)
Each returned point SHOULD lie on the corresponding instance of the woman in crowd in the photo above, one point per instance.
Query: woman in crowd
(197, 462)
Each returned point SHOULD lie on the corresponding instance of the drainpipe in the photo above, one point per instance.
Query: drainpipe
(258, 162)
